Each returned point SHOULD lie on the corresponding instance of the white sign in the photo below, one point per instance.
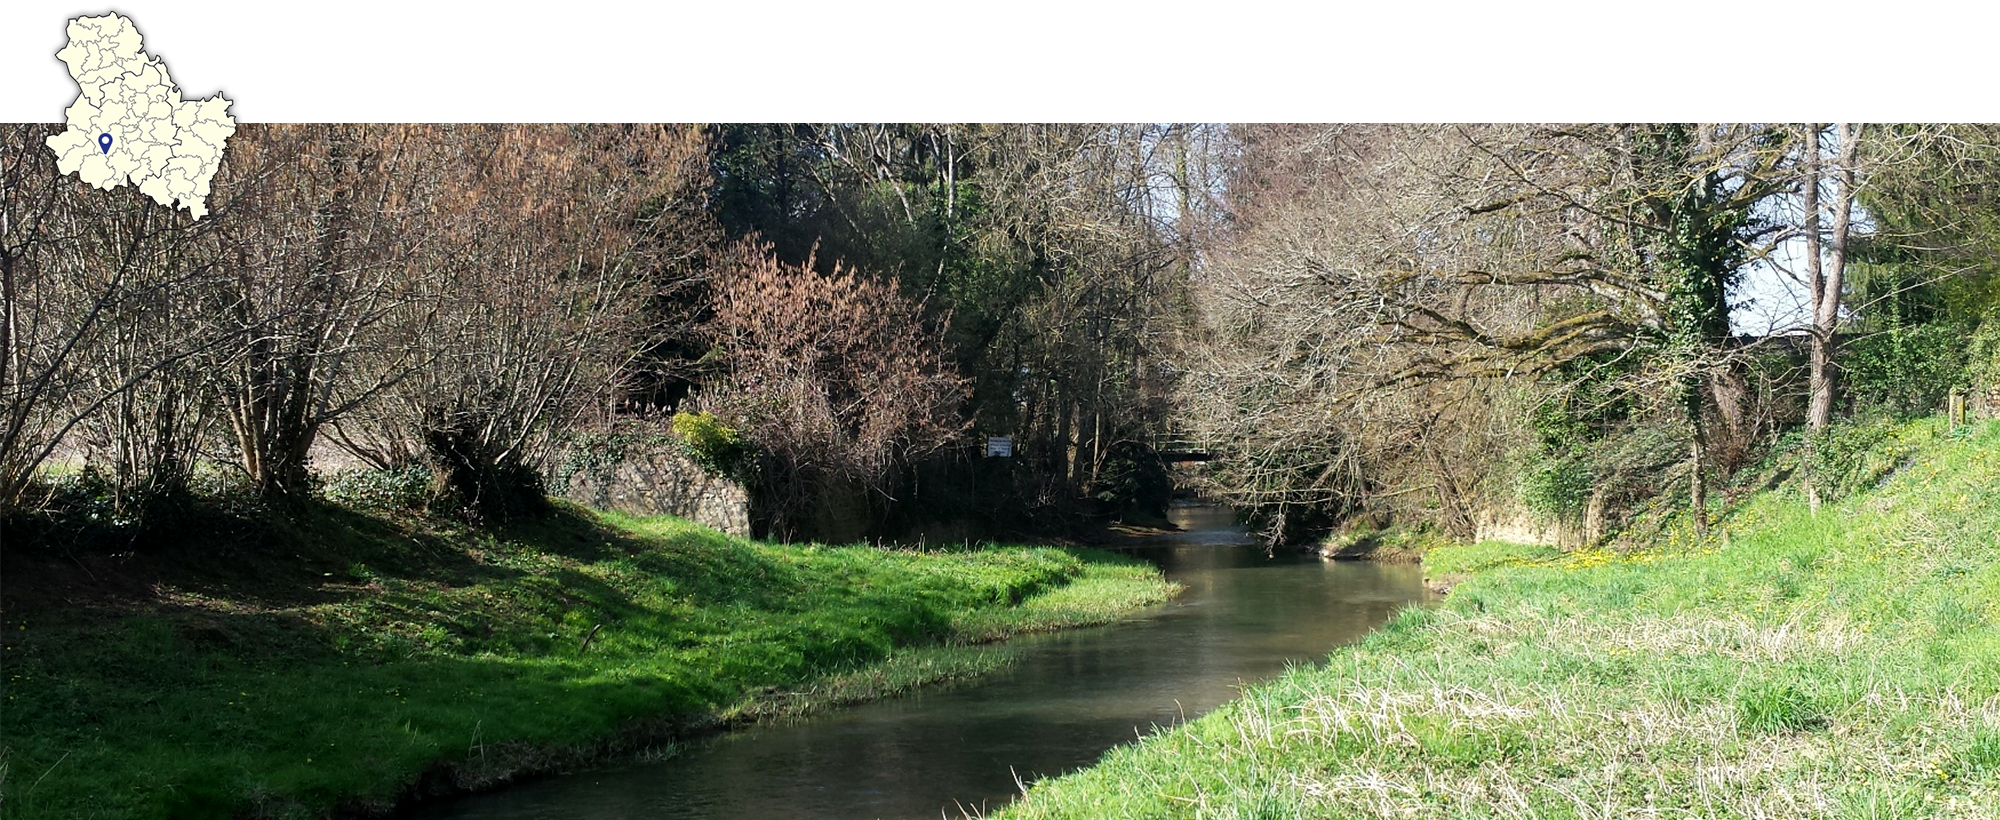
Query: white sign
(1000, 447)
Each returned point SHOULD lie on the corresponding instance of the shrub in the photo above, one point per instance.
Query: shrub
(1556, 489)
(407, 488)
(1906, 371)
(1982, 355)
(717, 447)
(840, 381)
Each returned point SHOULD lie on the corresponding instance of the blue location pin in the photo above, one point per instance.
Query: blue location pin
(104, 142)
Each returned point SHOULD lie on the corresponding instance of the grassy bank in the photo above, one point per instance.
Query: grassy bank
(1843, 665)
(1391, 546)
(341, 662)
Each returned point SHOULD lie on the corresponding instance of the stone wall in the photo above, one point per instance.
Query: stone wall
(1521, 527)
(653, 478)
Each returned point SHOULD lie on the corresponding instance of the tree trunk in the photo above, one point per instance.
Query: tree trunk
(1697, 481)
(1829, 279)
(1065, 408)
(7, 299)
(1819, 389)
(1728, 391)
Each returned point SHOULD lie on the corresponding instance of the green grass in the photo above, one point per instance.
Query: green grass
(1486, 555)
(1844, 665)
(1395, 545)
(289, 675)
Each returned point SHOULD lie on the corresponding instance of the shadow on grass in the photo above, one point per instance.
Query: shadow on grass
(223, 713)
(283, 665)
(253, 557)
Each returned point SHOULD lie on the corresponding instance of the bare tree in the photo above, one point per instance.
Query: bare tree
(97, 327)
(148, 356)
(1826, 252)
(1423, 255)
(1826, 265)
(1060, 251)
(1106, 219)
(323, 220)
(531, 302)
(39, 329)
(834, 378)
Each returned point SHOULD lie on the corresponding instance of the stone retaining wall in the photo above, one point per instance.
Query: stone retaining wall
(653, 478)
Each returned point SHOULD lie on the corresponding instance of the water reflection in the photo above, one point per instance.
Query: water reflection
(1244, 616)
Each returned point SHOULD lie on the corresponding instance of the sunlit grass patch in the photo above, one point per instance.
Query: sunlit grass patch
(425, 646)
(1840, 665)
(1486, 555)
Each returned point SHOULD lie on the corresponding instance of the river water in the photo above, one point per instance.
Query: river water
(1068, 698)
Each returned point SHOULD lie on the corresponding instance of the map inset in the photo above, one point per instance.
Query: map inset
(129, 122)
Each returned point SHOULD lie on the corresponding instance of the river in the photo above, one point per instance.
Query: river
(1068, 698)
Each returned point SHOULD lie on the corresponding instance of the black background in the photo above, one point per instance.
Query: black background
(201, 47)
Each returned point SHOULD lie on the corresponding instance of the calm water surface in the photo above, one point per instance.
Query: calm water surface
(1070, 697)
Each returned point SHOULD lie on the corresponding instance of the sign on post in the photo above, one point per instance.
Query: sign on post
(1000, 447)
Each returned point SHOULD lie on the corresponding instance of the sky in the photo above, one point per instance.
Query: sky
(1772, 297)
(914, 60)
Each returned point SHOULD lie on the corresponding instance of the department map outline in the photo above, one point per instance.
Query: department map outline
(129, 123)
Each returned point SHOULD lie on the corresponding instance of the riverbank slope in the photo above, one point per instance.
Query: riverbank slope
(1839, 665)
(340, 662)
